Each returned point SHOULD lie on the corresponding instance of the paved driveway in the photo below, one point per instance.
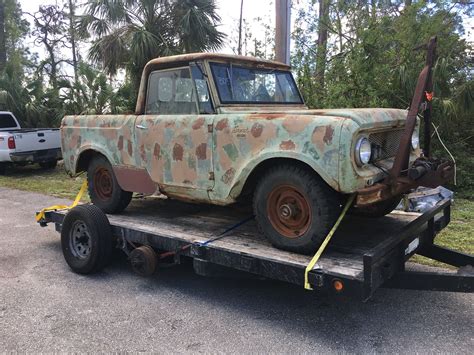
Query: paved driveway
(45, 307)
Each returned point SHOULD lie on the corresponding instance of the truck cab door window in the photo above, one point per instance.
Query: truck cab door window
(171, 92)
(202, 89)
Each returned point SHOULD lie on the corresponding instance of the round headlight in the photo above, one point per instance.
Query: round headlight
(415, 139)
(363, 151)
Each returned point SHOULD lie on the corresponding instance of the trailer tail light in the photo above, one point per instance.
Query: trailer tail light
(338, 285)
(11, 143)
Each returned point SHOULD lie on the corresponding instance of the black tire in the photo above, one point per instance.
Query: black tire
(306, 189)
(104, 190)
(86, 239)
(3, 168)
(49, 164)
(378, 209)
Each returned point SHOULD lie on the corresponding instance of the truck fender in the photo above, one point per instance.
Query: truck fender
(296, 157)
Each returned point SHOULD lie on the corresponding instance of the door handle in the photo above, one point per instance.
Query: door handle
(139, 126)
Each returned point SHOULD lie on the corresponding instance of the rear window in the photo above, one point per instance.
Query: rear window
(7, 121)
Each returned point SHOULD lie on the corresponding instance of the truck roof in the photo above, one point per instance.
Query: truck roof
(190, 57)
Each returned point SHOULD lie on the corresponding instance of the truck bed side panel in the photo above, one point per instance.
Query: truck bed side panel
(110, 135)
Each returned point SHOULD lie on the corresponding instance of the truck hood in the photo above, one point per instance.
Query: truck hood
(363, 117)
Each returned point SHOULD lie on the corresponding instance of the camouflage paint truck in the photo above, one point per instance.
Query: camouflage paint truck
(216, 129)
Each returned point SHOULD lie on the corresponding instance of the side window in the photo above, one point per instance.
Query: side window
(171, 92)
(203, 96)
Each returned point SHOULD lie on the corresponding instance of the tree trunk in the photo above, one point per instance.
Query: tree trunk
(72, 34)
(3, 54)
(239, 49)
(321, 52)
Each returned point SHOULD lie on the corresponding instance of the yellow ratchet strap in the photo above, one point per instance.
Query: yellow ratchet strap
(40, 214)
(316, 256)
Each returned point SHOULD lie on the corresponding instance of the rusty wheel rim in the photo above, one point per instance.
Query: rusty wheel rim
(289, 211)
(103, 183)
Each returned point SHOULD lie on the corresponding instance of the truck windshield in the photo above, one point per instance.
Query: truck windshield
(245, 85)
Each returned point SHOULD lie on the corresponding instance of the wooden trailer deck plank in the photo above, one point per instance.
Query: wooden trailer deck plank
(193, 223)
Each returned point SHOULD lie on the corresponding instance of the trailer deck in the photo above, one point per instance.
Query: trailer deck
(363, 255)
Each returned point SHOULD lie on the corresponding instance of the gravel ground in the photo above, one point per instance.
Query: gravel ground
(46, 307)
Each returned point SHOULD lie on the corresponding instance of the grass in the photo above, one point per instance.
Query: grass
(459, 235)
(49, 182)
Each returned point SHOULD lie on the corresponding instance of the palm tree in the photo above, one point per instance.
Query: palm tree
(130, 33)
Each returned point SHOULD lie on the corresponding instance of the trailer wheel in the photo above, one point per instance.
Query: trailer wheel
(378, 209)
(86, 239)
(104, 190)
(294, 208)
(49, 164)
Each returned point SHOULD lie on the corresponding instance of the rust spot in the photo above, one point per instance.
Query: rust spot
(120, 143)
(187, 182)
(222, 124)
(256, 130)
(129, 148)
(267, 116)
(142, 152)
(287, 145)
(157, 151)
(169, 124)
(199, 123)
(328, 135)
(228, 176)
(178, 152)
(201, 151)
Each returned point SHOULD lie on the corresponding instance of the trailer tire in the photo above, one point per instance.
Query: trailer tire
(294, 208)
(49, 165)
(86, 239)
(378, 209)
(104, 190)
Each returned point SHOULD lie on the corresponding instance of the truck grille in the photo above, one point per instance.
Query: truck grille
(385, 144)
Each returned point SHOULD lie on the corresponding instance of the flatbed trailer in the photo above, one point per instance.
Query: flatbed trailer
(364, 254)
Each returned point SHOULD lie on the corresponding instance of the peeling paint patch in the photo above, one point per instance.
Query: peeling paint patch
(311, 150)
(201, 151)
(228, 176)
(231, 151)
(129, 148)
(120, 143)
(256, 130)
(287, 145)
(178, 152)
(157, 151)
(222, 124)
(198, 123)
(328, 135)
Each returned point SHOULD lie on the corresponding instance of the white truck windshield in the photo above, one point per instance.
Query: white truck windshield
(246, 85)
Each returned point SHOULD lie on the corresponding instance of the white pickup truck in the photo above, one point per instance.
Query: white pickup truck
(22, 146)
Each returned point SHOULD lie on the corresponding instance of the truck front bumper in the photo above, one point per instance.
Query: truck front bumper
(423, 172)
(37, 156)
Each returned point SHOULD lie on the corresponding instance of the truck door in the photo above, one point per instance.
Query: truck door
(173, 138)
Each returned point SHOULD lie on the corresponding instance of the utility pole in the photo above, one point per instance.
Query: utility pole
(282, 30)
(239, 49)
